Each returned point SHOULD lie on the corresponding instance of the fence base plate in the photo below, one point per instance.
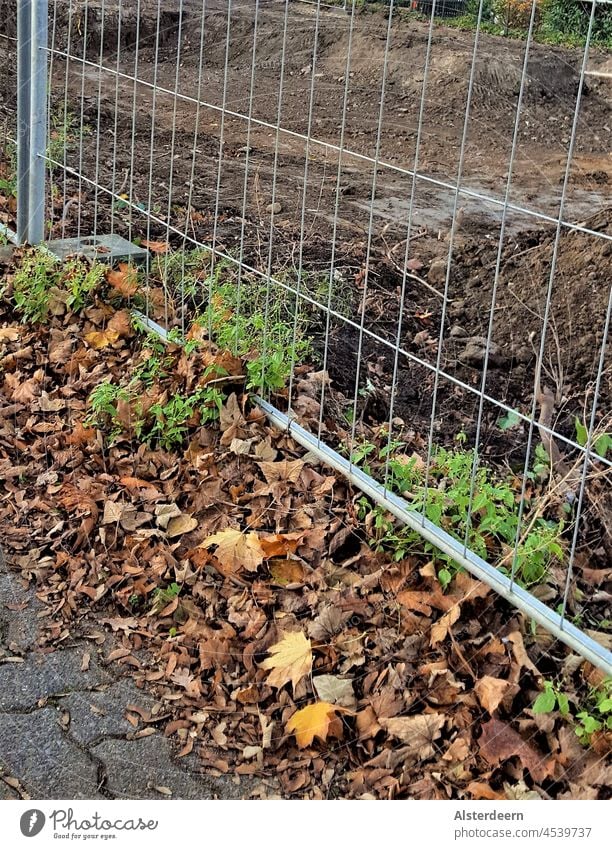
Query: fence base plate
(101, 248)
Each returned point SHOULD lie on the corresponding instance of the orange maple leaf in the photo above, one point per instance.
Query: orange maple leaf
(317, 720)
(124, 280)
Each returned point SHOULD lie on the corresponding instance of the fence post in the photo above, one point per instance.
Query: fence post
(32, 25)
(24, 38)
(38, 120)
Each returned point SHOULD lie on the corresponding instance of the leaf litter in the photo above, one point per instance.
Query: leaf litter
(242, 593)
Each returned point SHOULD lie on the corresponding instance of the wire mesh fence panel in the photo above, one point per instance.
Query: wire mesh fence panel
(8, 118)
(405, 232)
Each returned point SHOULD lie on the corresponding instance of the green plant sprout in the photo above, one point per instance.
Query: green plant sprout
(493, 523)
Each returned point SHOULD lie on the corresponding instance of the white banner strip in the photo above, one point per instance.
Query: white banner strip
(168, 824)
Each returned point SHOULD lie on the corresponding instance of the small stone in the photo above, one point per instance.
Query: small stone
(437, 271)
(456, 331)
(475, 351)
(274, 208)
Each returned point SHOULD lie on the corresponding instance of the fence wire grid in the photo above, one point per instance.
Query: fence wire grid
(426, 208)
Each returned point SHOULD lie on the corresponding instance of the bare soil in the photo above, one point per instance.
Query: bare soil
(211, 176)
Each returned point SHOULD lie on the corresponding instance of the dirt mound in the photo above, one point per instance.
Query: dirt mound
(573, 342)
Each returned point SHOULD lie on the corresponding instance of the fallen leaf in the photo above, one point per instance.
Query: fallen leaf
(51, 405)
(99, 339)
(162, 790)
(499, 742)
(336, 690)
(520, 792)
(491, 691)
(441, 628)
(312, 721)
(367, 723)
(277, 545)
(286, 572)
(112, 512)
(120, 323)
(182, 524)
(284, 470)
(81, 435)
(123, 280)
(156, 247)
(10, 334)
(163, 512)
(236, 550)
(26, 391)
(520, 654)
(419, 731)
(291, 660)
(480, 790)
(328, 623)
(252, 752)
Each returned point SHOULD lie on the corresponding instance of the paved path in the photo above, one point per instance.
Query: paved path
(63, 731)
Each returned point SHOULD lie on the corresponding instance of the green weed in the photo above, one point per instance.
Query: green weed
(264, 322)
(163, 596)
(550, 699)
(40, 275)
(589, 717)
(485, 515)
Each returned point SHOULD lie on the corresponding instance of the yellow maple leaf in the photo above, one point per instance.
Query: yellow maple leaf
(314, 721)
(236, 550)
(291, 660)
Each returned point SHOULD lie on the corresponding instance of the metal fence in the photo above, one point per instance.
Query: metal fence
(430, 206)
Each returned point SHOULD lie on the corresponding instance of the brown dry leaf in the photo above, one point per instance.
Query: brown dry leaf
(25, 391)
(156, 247)
(519, 792)
(182, 524)
(520, 654)
(424, 600)
(10, 334)
(276, 545)
(81, 435)
(51, 405)
(99, 339)
(441, 628)
(284, 470)
(416, 600)
(286, 572)
(291, 660)
(164, 512)
(329, 622)
(418, 732)
(60, 348)
(336, 690)
(236, 550)
(499, 742)
(492, 691)
(313, 721)
(367, 723)
(113, 512)
(123, 280)
(120, 323)
(480, 790)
